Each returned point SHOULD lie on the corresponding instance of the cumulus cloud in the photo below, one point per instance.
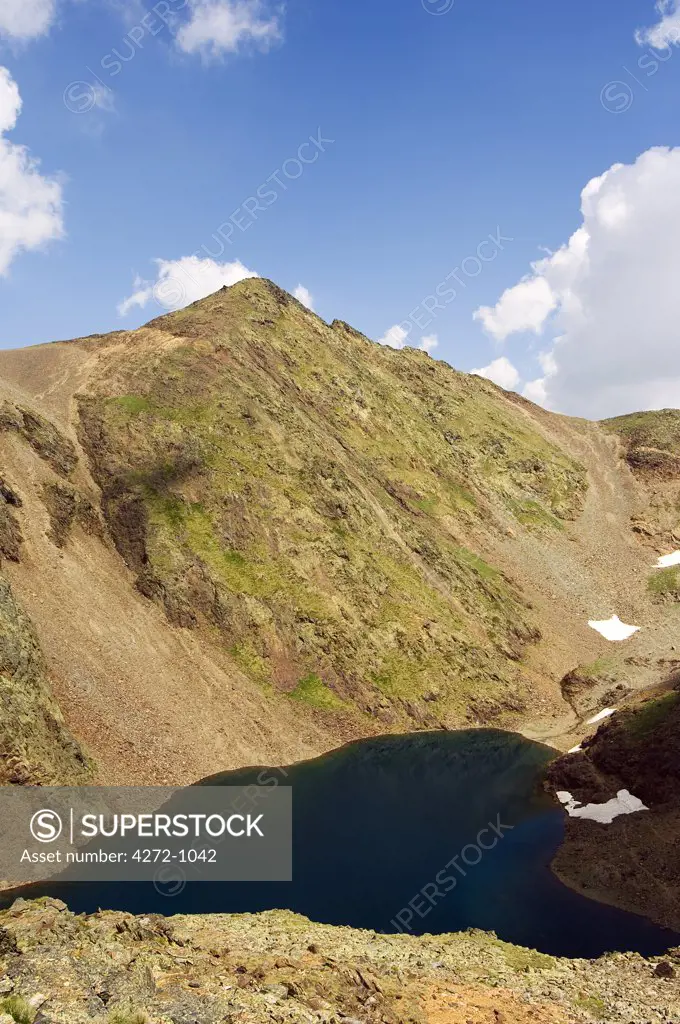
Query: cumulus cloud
(10, 101)
(397, 336)
(666, 32)
(180, 282)
(501, 372)
(429, 342)
(31, 206)
(394, 337)
(214, 27)
(607, 297)
(536, 391)
(21, 20)
(219, 27)
(304, 296)
(522, 308)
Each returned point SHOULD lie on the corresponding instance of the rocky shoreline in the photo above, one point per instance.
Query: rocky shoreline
(631, 863)
(115, 968)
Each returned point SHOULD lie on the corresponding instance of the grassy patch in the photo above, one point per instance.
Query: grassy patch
(460, 497)
(482, 568)
(407, 678)
(129, 1016)
(427, 505)
(532, 515)
(648, 717)
(252, 663)
(593, 1005)
(520, 959)
(168, 508)
(192, 524)
(18, 1009)
(596, 670)
(133, 405)
(665, 583)
(313, 691)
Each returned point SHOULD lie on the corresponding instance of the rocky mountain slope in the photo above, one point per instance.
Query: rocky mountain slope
(35, 745)
(244, 536)
(112, 968)
(652, 449)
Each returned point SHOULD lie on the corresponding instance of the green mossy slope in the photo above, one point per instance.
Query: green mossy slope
(315, 499)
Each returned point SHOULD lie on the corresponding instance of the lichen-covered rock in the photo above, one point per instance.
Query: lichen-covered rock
(11, 538)
(43, 436)
(67, 507)
(35, 745)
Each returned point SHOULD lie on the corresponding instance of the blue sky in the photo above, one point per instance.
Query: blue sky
(445, 128)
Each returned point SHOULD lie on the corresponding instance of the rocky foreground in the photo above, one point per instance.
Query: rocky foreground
(59, 968)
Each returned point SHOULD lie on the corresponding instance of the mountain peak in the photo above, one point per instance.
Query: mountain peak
(357, 538)
(231, 304)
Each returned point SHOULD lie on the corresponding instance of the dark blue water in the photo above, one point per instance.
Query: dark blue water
(375, 824)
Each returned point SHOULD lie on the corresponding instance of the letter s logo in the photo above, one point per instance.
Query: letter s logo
(46, 826)
(617, 97)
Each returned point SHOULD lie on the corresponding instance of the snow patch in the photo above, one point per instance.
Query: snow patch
(622, 803)
(599, 717)
(575, 750)
(666, 561)
(614, 629)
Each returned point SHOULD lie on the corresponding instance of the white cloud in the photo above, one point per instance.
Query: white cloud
(667, 30)
(429, 343)
(214, 27)
(522, 308)
(501, 372)
(21, 20)
(30, 204)
(10, 101)
(395, 337)
(182, 281)
(304, 296)
(218, 27)
(536, 391)
(608, 296)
